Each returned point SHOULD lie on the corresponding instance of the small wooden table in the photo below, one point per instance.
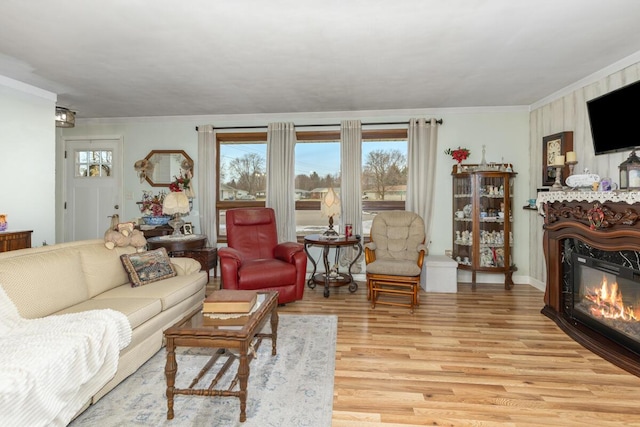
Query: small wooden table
(339, 279)
(245, 337)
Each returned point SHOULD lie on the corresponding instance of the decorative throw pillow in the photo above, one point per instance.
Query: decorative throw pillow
(147, 267)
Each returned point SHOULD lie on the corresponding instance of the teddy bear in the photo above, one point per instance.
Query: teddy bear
(125, 228)
(137, 240)
(114, 238)
(121, 234)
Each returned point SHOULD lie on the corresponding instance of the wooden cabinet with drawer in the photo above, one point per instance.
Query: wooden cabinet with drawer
(13, 240)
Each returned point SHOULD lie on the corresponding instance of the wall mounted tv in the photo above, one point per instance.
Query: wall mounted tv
(614, 119)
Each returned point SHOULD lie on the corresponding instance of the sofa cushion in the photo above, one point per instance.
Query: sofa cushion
(42, 281)
(137, 310)
(96, 260)
(148, 267)
(185, 266)
(169, 291)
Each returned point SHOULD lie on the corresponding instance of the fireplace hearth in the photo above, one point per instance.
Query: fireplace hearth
(592, 254)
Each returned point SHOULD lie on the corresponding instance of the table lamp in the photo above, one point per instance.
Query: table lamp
(176, 203)
(330, 207)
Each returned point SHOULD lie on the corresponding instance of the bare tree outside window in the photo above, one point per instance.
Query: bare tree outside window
(247, 172)
(384, 169)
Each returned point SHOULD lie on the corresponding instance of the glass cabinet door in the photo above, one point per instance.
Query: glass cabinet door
(463, 219)
(492, 221)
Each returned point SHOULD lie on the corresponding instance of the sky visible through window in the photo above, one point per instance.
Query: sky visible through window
(322, 158)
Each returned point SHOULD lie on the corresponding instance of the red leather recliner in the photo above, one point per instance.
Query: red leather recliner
(254, 260)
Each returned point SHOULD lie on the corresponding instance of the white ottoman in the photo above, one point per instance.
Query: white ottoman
(441, 274)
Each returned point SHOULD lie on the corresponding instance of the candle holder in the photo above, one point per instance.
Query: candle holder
(557, 186)
(571, 166)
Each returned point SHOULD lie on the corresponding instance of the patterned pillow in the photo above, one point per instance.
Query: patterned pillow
(147, 267)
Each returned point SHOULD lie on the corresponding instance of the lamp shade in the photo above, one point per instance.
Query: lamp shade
(330, 205)
(65, 118)
(176, 202)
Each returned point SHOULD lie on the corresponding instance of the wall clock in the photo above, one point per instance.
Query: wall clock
(555, 145)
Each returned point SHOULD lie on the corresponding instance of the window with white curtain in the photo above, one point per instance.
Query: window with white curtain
(242, 174)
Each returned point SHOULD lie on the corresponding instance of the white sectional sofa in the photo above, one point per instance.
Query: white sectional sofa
(79, 276)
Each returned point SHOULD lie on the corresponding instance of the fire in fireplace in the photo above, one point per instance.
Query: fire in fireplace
(606, 298)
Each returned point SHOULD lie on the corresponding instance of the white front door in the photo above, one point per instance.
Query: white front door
(93, 176)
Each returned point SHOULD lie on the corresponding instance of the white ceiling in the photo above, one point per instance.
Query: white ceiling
(130, 58)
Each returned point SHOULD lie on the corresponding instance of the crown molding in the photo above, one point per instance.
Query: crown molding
(27, 88)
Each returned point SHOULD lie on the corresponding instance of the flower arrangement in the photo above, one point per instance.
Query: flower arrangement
(181, 183)
(151, 204)
(458, 154)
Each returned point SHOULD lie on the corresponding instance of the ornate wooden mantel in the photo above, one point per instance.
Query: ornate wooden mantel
(606, 221)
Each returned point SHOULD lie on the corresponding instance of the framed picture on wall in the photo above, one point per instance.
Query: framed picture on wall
(555, 145)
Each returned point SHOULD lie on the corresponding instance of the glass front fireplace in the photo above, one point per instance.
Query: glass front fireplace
(605, 296)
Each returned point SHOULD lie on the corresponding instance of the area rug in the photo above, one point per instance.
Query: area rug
(293, 388)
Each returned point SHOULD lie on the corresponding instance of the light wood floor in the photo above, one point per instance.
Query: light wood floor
(483, 357)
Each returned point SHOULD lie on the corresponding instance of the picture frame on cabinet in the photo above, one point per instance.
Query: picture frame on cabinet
(555, 145)
(187, 228)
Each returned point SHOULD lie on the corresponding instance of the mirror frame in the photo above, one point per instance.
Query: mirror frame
(154, 152)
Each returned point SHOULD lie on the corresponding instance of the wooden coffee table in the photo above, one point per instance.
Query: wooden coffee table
(243, 336)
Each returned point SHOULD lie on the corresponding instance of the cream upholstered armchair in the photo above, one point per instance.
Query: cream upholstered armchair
(394, 258)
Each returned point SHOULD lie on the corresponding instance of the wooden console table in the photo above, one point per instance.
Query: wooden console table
(160, 230)
(13, 240)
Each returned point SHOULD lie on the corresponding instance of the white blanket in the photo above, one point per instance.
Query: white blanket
(51, 366)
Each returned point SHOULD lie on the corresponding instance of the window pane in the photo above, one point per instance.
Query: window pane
(384, 170)
(93, 163)
(242, 173)
(317, 168)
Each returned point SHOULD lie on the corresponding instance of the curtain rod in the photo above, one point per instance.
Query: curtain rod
(438, 121)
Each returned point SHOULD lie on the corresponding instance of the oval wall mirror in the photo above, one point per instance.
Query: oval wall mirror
(167, 164)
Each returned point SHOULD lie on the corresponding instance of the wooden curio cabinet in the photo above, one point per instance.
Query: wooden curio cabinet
(483, 219)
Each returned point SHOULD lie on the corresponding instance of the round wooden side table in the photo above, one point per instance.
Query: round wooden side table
(329, 278)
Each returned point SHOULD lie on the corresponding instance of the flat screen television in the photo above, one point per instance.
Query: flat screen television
(614, 119)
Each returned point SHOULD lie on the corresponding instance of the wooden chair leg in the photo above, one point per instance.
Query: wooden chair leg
(388, 286)
(373, 294)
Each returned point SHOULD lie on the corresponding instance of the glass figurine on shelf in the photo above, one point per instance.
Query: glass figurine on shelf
(483, 163)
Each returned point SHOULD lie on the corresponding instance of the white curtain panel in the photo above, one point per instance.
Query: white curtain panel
(207, 182)
(281, 144)
(350, 173)
(351, 186)
(421, 158)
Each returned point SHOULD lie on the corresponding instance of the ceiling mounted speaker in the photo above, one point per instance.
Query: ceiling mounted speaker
(65, 118)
